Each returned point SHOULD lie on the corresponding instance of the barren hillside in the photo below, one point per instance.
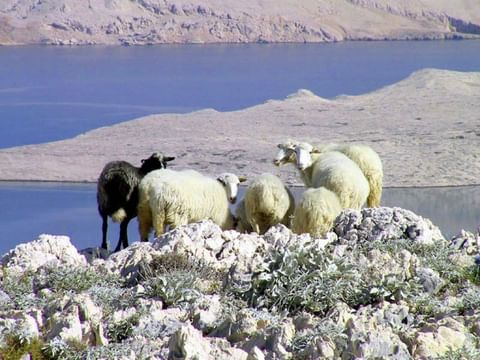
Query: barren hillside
(215, 21)
(426, 129)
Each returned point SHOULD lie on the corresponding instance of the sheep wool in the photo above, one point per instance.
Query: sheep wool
(336, 172)
(179, 198)
(316, 212)
(368, 161)
(267, 202)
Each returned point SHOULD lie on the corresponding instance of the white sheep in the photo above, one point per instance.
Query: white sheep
(267, 202)
(364, 156)
(143, 209)
(367, 160)
(181, 197)
(334, 171)
(316, 212)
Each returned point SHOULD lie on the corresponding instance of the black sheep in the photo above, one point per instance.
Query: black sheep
(117, 193)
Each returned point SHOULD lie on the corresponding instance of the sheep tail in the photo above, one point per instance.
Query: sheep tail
(119, 215)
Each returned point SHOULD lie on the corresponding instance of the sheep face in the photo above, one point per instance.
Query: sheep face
(303, 152)
(285, 154)
(231, 182)
(154, 162)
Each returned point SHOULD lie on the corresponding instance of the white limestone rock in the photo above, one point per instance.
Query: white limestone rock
(127, 262)
(201, 241)
(51, 250)
(188, 343)
(18, 323)
(160, 324)
(435, 339)
(206, 312)
(385, 224)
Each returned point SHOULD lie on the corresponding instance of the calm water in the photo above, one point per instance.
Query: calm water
(51, 93)
(70, 209)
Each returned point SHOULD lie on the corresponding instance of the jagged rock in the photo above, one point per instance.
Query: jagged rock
(76, 318)
(160, 323)
(87, 309)
(206, 312)
(127, 262)
(188, 343)
(202, 241)
(121, 315)
(304, 321)
(256, 354)
(243, 326)
(437, 338)
(93, 253)
(66, 325)
(18, 323)
(374, 342)
(245, 251)
(383, 224)
(222, 350)
(281, 338)
(48, 250)
(151, 22)
(5, 300)
(467, 241)
(369, 332)
(430, 280)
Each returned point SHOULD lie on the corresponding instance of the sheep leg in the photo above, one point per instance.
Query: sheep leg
(144, 229)
(256, 228)
(144, 221)
(104, 232)
(158, 222)
(123, 239)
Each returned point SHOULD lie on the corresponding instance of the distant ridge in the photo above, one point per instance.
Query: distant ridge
(139, 22)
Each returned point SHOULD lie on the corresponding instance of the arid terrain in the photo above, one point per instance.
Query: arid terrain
(132, 22)
(426, 129)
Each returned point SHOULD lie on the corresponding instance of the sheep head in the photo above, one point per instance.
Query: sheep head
(286, 153)
(230, 182)
(303, 152)
(154, 162)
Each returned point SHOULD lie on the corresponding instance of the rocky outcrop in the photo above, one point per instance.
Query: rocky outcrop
(70, 22)
(383, 284)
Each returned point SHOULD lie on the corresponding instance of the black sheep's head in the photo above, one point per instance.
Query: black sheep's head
(155, 161)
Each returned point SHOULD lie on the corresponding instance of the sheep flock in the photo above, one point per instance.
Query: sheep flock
(336, 177)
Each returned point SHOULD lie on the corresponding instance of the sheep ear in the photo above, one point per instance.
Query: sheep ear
(169, 158)
(315, 151)
(221, 180)
(242, 178)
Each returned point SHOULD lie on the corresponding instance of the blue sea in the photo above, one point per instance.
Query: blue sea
(53, 93)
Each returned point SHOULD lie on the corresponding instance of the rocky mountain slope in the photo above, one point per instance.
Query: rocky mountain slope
(220, 21)
(383, 284)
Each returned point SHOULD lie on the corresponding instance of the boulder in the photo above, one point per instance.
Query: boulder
(48, 250)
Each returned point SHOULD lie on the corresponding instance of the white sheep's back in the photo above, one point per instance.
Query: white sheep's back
(338, 173)
(190, 196)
